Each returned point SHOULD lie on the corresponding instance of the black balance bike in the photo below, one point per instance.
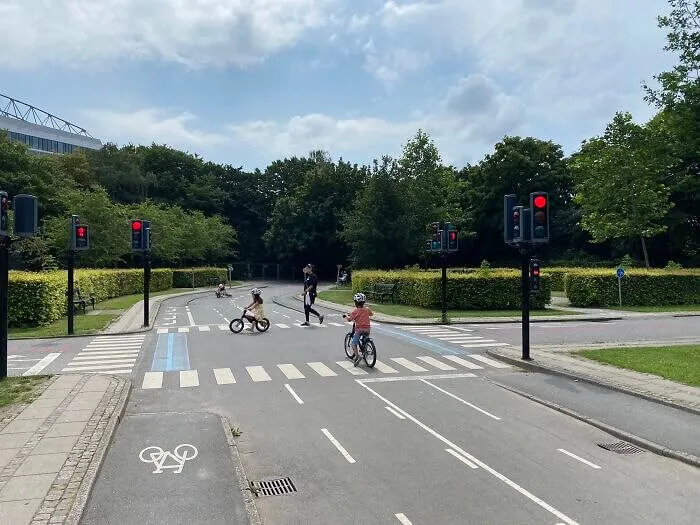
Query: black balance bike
(236, 325)
(366, 347)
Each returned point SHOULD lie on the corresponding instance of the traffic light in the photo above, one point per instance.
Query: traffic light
(434, 244)
(147, 236)
(451, 238)
(516, 217)
(4, 209)
(137, 235)
(539, 221)
(509, 202)
(82, 237)
(535, 281)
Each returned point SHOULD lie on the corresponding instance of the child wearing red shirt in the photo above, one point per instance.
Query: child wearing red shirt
(361, 315)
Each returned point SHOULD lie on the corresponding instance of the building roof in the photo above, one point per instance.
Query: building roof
(16, 109)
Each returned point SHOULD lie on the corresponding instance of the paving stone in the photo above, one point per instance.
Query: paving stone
(66, 429)
(6, 455)
(42, 464)
(54, 445)
(16, 440)
(71, 416)
(35, 413)
(23, 425)
(27, 487)
(18, 512)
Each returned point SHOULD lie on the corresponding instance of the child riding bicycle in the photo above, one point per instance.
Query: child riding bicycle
(361, 316)
(255, 308)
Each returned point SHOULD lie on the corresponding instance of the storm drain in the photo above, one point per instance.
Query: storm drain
(273, 487)
(620, 447)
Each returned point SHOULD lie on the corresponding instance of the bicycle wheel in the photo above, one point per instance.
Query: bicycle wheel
(348, 346)
(370, 353)
(236, 325)
(263, 324)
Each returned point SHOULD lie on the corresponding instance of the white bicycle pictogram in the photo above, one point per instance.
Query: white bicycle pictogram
(159, 457)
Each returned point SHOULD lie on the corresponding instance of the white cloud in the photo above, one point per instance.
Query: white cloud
(390, 66)
(192, 32)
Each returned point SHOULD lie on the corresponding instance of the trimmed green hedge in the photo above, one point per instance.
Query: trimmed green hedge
(586, 288)
(202, 277)
(479, 290)
(557, 277)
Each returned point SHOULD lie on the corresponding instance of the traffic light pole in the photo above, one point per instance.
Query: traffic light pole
(146, 288)
(444, 287)
(4, 287)
(71, 290)
(525, 306)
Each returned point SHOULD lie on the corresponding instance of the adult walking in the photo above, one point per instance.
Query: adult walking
(310, 283)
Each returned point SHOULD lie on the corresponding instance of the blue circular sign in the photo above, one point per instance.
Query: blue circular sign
(620, 273)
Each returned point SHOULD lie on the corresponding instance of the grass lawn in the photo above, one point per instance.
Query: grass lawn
(127, 301)
(668, 308)
(20, 389)
(415, 312)
(677, 363)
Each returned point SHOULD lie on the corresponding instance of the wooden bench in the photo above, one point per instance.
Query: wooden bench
(382, 291)
(81, 302)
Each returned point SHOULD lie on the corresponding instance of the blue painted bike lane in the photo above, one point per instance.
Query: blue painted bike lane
(171, 353)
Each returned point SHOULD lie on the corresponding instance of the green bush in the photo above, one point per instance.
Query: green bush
(202, 277)
(557, 277)
(586, 288)
(496, 290)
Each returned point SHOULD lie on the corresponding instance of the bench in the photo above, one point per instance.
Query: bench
(382, 291)
(81, 302)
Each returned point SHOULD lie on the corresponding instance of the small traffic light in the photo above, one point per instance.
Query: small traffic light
(137, 235)
(434, 244)
(539, 220)
(147, 236)
(82, 237)
(4, 212)
(26, 210)
(535, 280)
(451, 242)
(509, 202)
(516, 215)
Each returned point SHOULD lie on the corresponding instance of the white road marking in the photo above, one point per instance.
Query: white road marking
(189, 316)
(394, 412)
(152, 380)
(347, 365)
(483, 345)
(461, 400)
(224, 376)
(204, 328)
(227, 320)
(108, 340)
(93, 367)
(461, 339)
(281, 325)
(294, 394)
(113, 371)
(162, 330)
(384, 368)
(461, 458)
(403, 519)
(414, 378)
(183, 329)
(321, 369)
(46, 361)
(223, 327)
(408, 364)
(335, 324)
(462, 329)
(291, 371)
(438, 334)
(189, 378)
(89, 353)
(257, 373)
(478, 462)
(338, 445)
(107, 361)
(570, 454)
(107, 346)
(491, 362)
(434, 362)
(463, 362)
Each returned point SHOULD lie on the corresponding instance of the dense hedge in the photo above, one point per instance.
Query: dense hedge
(479, 290)
(557, 277)
(586, 288)
(202, 277)
(37, 299)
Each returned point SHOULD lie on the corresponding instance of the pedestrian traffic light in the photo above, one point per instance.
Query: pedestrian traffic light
(137, 235)
(434, 244)
(146, 235)
(516, 217)
(539, 220)
(82, 237)
(535, 281)
(509, 202)
(4, 214)
(451, 238)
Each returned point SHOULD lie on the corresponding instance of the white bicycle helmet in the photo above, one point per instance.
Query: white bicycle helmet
(256, 291)
(359, 298)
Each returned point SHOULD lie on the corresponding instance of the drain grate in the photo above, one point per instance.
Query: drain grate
(273, 487)
(620, 447)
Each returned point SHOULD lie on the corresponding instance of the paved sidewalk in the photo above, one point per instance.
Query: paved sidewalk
(562, 362)
(52, 449)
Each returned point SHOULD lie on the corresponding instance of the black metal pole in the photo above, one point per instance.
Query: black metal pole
(71, 290)
(146, 287)
(444, 288)
(4, 288)
(525, 289)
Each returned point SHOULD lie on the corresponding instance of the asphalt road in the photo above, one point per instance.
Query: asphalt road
(424, 437)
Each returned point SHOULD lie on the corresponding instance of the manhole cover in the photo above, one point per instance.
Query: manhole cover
(273, 487)
(620, 447)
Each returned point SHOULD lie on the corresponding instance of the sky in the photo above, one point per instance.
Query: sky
(246, 82)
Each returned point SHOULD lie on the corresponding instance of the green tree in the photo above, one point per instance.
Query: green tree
(619, 185)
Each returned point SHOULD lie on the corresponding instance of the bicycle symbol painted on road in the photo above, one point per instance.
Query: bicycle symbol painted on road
(163, 459)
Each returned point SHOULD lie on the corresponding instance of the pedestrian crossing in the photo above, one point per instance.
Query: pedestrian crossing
(225, 327)
(108, 355)
(454, 335)
(316, 369)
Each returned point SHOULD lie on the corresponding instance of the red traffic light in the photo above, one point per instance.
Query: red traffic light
(536, 272)
(81, 231)
(136, 225)
(540, 201)
(453, 236)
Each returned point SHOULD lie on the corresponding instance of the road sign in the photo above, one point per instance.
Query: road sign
(620, 273)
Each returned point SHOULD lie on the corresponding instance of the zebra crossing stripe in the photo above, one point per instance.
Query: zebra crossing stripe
(321, 369)
(204, 328)
(109, 361)
(490, 362)
(183, 329)
(291, 371)
(224, 376)
(162, 330)
(408, 364)
(434, 362)
(482, 344)
(282, 325)
(335, 324)
(189, 378)
(152, 380)
(463, 362)
(347, 365)
(384, 368)
(257, 373)
(223, 327)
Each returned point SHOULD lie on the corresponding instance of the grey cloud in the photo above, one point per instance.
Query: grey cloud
(561, 7)
(475, 94)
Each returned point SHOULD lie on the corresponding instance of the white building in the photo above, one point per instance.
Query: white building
(42, 132)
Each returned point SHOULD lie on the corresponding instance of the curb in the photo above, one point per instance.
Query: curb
(689, 459)
(533, 367)
(81, 499)
(248, 499)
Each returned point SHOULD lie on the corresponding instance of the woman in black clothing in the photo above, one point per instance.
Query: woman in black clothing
(310, 283)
